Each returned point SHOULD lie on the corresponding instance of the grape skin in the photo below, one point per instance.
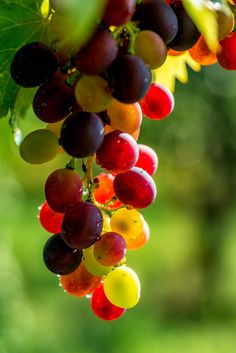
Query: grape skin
(110, 249)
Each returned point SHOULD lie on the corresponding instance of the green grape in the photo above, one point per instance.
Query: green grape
(92, 94)
(127, 222)
(92, 265)
(39, 147)
(122, 287)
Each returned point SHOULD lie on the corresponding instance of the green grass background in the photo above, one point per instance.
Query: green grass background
(188, 268)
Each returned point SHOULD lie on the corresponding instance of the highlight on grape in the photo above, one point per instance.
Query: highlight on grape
(93, 102)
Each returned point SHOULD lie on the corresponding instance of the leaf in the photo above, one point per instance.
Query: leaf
(204, 13)
(20, 22)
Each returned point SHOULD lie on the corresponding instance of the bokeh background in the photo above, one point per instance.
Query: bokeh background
(188, 268)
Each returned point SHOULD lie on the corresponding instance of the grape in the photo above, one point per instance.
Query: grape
(33, 64)
(80, 282)
(127, 222)
(53, 100)
(226, 23)
(102, 307)
(129, 78)
(173, 52)
(124, 117)
(92, 265)
(110, 249)
(135, 188)
(137, 241)
(82, 225)
(158, 102)
(118, 12)
(105, 191)
(122, 287)
(56, 127)
(188, 33)
(39, 146)
(150, 47)
(60, 258)
(157, 16)
(98, 54)
(50, 220)
(118, 152)
(202, 54)
(63, 188)
(82, 134)
(93, 94)
(134, 134)
(147, 159)
(226, 57)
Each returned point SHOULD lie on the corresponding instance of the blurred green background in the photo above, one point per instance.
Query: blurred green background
(188, 268)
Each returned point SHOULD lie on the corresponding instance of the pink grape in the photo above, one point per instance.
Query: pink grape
(110, 249)
(147, 159)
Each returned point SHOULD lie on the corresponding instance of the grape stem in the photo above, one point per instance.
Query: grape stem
(88, 178)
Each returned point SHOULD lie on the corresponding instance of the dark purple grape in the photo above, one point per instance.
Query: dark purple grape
(98, 54)
(129, 78)
(63, 187)
(33, 64)
(118, 12)
(188, 33)
(82, 225)
(82, 134)
(53, 100)
(157, 16)
(59, 258)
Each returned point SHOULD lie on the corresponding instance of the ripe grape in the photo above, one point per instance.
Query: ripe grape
(118, 12)
(82, 225)
(92, 265)
(92, 94)
(202, 54)
(102, 307)
(33, 64)
(50, 220)
(157, 16)
(105, 191)
(129, 78)
(80, 282)
(158, 102)
(226, 57)
(124, 117)
(137, 241)
(39, 146)
(188, 33)
(63, 188)
(147, 159)
(60, 258)
(110, 249)
(82, 134)
(122, 287)
(127, 222)
(53, 100)
(118, 152)
(135, 188)
(97, 54)
(150, 47)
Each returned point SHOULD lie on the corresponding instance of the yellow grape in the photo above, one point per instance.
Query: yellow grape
(92, 94)
(56, 127)
(122, 287)
(40, 146)
(127, 222)
(92, 265)
(138, 240)
(124, 117)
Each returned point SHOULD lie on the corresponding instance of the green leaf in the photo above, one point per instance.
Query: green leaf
(205, 13)
(20, 22)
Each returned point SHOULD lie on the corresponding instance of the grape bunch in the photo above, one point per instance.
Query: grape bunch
(92, 101)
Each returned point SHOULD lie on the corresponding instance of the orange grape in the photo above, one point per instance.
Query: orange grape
(201, 53)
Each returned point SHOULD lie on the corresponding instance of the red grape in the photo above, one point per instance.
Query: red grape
(118, 12)
(110, 249)
(50, 220)
(102, 307)
(147, 159)
(227, 56)
(105, 191)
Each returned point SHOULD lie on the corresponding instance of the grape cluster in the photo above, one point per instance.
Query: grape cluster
(92, 101)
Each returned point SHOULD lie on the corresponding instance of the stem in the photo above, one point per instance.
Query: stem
(88, 179)
(71, 164)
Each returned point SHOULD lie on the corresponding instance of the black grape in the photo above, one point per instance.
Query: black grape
(129, 78)
(82, 225)
(188, 33)
(157, 16)
(33, 64)
(82, 134)
(53, 100)
(59, 258)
